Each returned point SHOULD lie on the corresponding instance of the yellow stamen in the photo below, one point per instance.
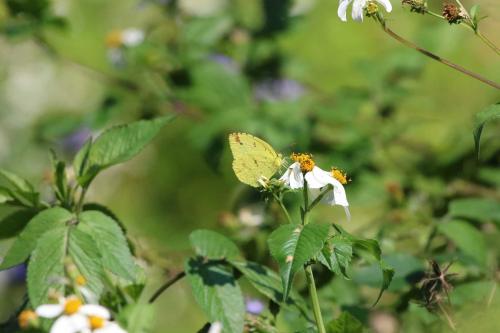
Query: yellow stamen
(371, 8)
(25, 318)
(305, 160)
(72, 305)
(340, 175)
(80, 280)
(96, 322)
(114, 39)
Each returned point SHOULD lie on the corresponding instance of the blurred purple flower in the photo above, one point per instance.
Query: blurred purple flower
(227, 62)
(16, 274)
(75, 140)
(278, 90)
(254, 306)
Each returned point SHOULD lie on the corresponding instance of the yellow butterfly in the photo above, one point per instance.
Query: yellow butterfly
(253, 158)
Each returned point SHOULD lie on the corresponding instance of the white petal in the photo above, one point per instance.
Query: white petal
(69, 324)
(296, 179)
(286, 176)
(387, 5)
(357, 10)
(49, 310)
(132, 37)
(318, 178)
(342, 11)
(110, 327)
(95, 310)
(215, 327)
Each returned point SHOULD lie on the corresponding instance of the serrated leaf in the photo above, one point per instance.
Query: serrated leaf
(12, 224)
(292, 246)
(492, 112)
(111, 243)
(479, 209)
(116, 145)
(43, 222)
(213, 245)
(269, 284)
(336, 255)
(46, 265)
(217, 293)
(60, 182)
(345, 323)
(22, 189)
(467, 238)
(85, 255)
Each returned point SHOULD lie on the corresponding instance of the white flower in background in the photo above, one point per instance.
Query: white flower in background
(358, 7)
(301, 7)
(202, 8)
(215, 327)
(129, 37)
(73, 316)
(304, 168)
(251, 216)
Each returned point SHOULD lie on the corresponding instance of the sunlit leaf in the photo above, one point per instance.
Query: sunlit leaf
(467, 238)
(479, 209)
(345, 323)
(213, 245)
(492, 112)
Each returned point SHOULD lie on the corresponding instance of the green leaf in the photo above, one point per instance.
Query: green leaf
(269, 284)
(111, 243)
(292, 246)
(43, 222)
(46, 265)
(12, 224)
(345, 323)
(336, 255)
(116, 145)
(138, 318)
(6, 195)
(217, 293)
(213, 245)
(479, 209)
(492, 112)
(467, 238)
(23, 190)
(81, 159)
(474, 14)
(370, 250)
(86, 256)
(60, 181)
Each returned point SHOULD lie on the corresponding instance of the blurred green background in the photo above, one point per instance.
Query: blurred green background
(292, 73)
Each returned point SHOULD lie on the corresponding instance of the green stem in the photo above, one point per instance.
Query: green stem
(319, 197)
(283, 208)
(309, 273)
(79, 205)
(314, 300)
(488, 42)
(434, 56)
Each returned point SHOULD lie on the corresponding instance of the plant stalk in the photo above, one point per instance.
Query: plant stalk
(314, 300)
(283, 208)
(309, 273)
(435, 57)
(166, 285)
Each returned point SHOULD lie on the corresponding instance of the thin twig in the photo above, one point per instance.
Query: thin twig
(436, 57)
(165, 286)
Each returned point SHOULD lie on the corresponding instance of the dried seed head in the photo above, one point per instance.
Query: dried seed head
(452, 13)
(417, 6)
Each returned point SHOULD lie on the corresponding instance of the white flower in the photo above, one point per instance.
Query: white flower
(202, 8)
(357, 8)
(317, 179)
(132, 37)
(73, 317)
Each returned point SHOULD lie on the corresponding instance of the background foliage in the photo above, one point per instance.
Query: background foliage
(400, 125)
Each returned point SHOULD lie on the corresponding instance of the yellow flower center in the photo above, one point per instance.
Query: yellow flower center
(340, 175)
(26, 317)
(96, 322)
(305, 160)
(72, 305)
(80, 280)
(114, 39)
(371, 8)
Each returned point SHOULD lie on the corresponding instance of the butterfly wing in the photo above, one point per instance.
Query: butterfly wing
(253, 158)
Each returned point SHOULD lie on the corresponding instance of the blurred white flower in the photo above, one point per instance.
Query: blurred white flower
(251, 216)
(202, 7)
(358, 7)
(301, 7)
(215, 327)
(132, 37)
(73, 316)
(304, 168)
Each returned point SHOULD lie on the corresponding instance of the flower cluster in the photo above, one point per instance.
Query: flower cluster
(72, 317)
(305, 172)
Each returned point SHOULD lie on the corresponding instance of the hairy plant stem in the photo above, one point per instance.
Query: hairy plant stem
(166, 285)
(309, 273)
(279, 200)
(434, 56)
